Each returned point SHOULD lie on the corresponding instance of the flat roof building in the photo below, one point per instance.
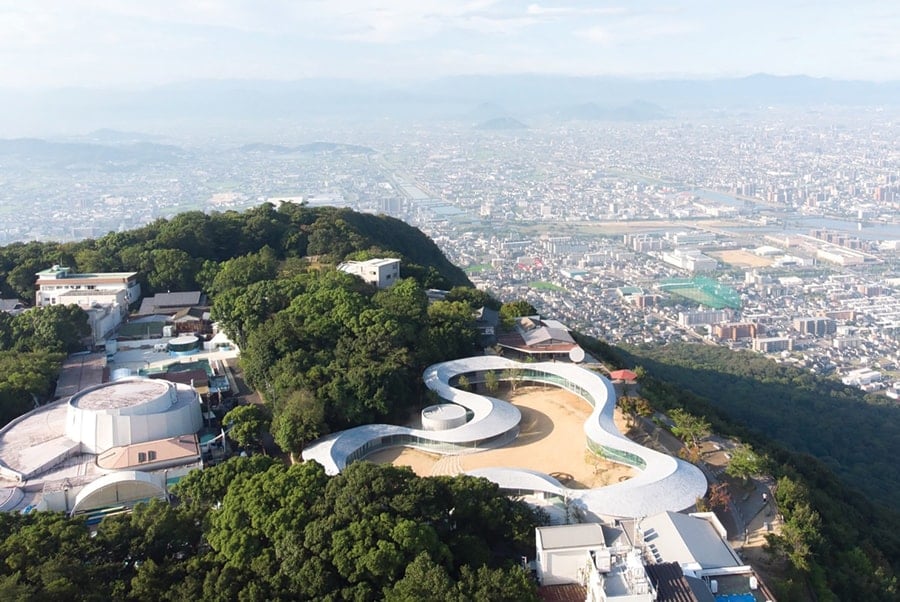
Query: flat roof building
(381, 273)
(107, 442)
(54, 282)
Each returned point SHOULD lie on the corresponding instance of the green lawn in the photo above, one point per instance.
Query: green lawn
(545, 286)
(478, 267)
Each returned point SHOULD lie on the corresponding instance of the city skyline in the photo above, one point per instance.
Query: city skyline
(99, 43)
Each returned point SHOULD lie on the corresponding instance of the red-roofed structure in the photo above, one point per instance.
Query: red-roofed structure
(626, 375)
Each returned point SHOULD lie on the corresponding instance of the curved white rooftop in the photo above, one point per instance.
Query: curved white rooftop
(663, 483)
(123, 487)
(132, 410)
(124, 397)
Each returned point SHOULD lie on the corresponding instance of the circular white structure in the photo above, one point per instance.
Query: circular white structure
(184, 345)
(443, 416)
(129, 411)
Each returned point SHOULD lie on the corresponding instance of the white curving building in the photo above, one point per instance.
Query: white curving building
(663, 484)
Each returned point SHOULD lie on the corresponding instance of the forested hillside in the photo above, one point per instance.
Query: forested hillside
(254, 265)
(812, 415)
(326, 351)
(329, 352)
(253, 529)
(842, 533)
(190, 250)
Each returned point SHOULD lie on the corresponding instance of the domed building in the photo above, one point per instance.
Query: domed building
(131, 411)
(109, 445)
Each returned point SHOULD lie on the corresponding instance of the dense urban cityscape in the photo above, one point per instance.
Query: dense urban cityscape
(581, 301)
(774, 230)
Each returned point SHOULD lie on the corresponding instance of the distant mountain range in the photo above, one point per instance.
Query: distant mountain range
(75, 154)
(212, 103)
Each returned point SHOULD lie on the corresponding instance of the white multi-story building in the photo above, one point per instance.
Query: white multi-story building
(697, 318)
(54, 283)
(691, 261)
(380, 272)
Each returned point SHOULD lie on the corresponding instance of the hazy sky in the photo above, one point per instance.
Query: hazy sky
(112, 42)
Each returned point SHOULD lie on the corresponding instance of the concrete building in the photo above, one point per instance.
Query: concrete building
(663, 482)
(381, 273)
(690, 261)
(819, 327)
(130, 411)
(110, 444)
(578, 554)
(562, 551)
(773, 344)
(861, 377)
(735, 331)
(53, 283)
(104, 297)
(697, 318)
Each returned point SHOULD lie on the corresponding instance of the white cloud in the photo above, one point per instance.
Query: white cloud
(643, 28)
(556, 11)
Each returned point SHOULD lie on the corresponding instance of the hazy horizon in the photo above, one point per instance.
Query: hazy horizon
(110, 44)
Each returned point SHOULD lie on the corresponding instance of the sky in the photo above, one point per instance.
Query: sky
(128, 43)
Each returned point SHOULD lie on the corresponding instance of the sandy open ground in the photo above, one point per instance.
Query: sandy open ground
(551, 440)
(741, 258)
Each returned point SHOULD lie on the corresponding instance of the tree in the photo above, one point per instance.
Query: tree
(626, 404)
(513, 376)
(474, 297)
(496, 585)
(52, 328)
(173, 270)
(744, 463)
(689, 428)
(245, 270)
(463, 382)
(26, 378)
(491, 382)
(513, 309)
(719, 497)
(246, 424)
(201, 489)
(301, 420)
(643, 408)
(6, 331)
(423, 579)
(451, 331)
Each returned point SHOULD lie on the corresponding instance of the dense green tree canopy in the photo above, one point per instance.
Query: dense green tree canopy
(358, 351)
(246, 424)
(511, 310)
(299, 421)
(25, 380)
(254, 529)
(51, 328)
(744, 463)
(843, 544)
(171, 254)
